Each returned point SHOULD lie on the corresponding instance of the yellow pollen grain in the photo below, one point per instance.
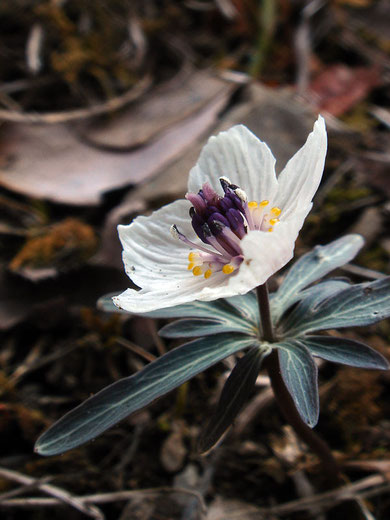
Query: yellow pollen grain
(208, 273)
(273, 221)
(276, 211)
(191, 257)
(197, 270)
(227, 269)
(270, 230)
(264, 203)
(252, 205)
(190, 266)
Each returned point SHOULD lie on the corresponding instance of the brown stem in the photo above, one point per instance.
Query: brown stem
(304, 432)
(285, 401)
(349, 509)
(265, 312)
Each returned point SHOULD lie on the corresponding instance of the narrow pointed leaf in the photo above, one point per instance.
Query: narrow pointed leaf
(299, 374)
(358, 305)
(117, 401)
(345, 351)
(311, 298)
(190, 328)
(106, 304)
(311, 267)
(234, 395)
(246, 305)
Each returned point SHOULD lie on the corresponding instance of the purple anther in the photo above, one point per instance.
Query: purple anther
(209, 194)
(197, 201)
(227, 186)
(198, 225)
(217, 222)
(206, 231)
(210, 210)
(236, 222)
(236, 201)
(225, 204)
(224, 183)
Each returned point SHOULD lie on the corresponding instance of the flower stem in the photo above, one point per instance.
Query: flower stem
(285, 401)
(334, 478)
(265, 312)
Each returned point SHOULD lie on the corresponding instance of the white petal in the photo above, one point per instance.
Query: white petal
(241, 157)
(265, 253)
(150, 254)
(174, 293)
(301, 177)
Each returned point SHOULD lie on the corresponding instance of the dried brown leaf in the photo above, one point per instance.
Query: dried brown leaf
(51, 162)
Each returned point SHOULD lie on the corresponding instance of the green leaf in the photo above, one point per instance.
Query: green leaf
(117, 401)
(311, 298)
(106, 304)
(299, 373)
(310, 268)
(358, 305)
(345, 351)
(235, 392)
(246, 305)
(190, 328)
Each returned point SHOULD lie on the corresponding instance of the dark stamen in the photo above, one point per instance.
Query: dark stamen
(236, 222)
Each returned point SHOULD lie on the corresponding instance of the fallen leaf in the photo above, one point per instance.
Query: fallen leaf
(339, 87)
(163, 107)
(65, 245)
(51, 162)
(173, 451)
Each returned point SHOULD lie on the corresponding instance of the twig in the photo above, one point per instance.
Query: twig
(368, 487)
(302, 44)
(101, 498)
(81, 113)
(59, 494)
(30, 364)
(136, 349)
(363, 272)
(360, 489)
(160, 345)
(24, 489)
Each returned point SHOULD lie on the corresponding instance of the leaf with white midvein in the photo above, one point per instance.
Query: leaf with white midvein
(357, 305)
(311, 298)
(246, 305)
(191, 328)
(299, 373)
(117, 401)
(345, 351)
(234, 394)
(310, 268)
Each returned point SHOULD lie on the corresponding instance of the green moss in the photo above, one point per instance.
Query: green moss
(375, 258)
(342, 194)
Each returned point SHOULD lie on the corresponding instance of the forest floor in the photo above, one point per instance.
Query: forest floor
(103, 111)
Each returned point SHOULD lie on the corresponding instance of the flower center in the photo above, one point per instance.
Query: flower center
(221, 223)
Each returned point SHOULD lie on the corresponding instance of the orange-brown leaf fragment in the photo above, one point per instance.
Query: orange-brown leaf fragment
(65, 244)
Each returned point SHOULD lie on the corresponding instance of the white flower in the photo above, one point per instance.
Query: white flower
(237, 226)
